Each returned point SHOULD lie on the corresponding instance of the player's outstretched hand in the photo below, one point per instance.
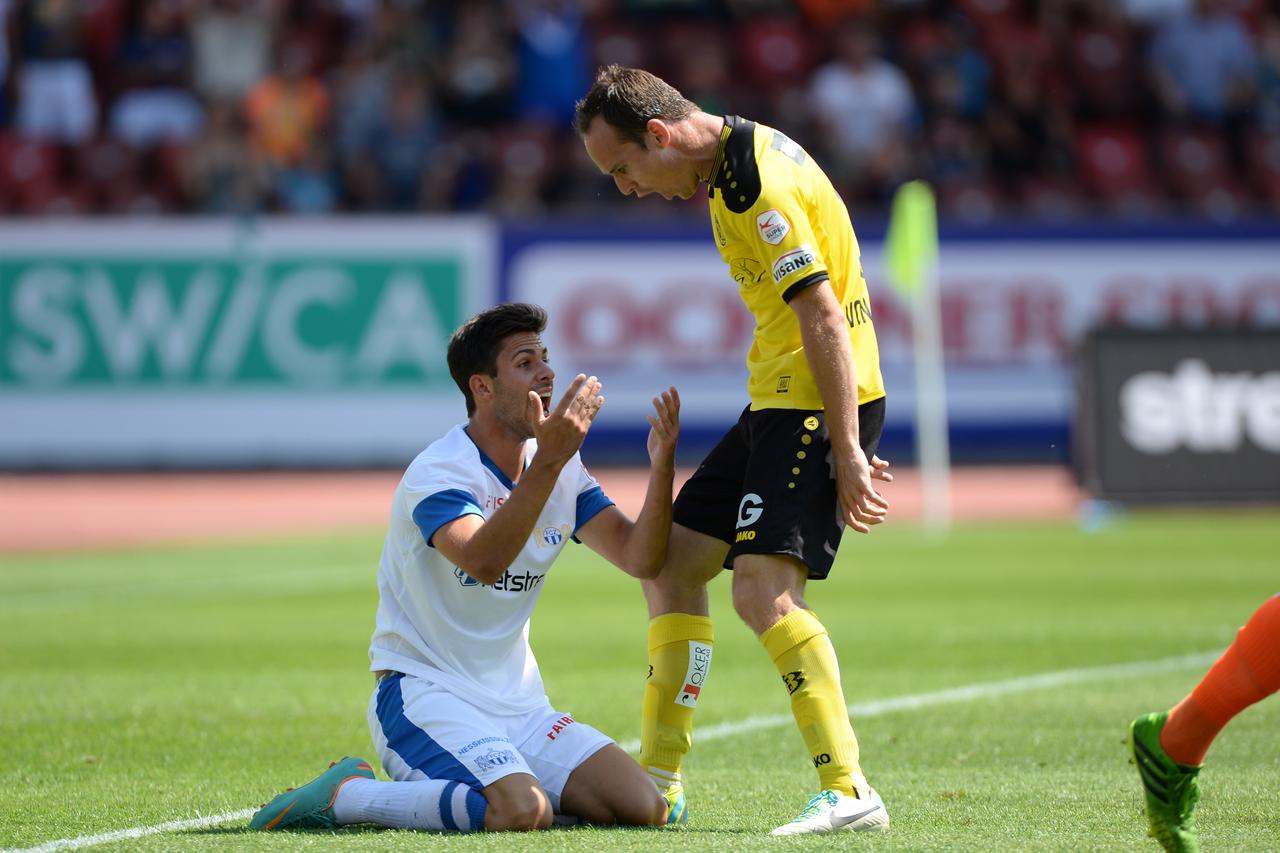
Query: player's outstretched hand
(860, 504)
(664, 429)
(560, 432)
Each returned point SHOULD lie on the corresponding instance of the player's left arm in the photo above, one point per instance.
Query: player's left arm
(639, 547)
(825, 334)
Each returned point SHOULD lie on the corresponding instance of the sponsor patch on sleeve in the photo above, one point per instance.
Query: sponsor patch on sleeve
(773, 227)
(792, 261)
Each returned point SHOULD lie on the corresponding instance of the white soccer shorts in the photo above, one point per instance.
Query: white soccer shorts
(422, 731)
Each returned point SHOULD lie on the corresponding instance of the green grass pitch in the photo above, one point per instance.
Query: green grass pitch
(146, 686)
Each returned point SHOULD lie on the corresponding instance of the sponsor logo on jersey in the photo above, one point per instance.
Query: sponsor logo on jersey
(560, 725)
(796, 259)
(523, 582)
(696, 675)
(750, 509)
(773, 227)
(493, 759)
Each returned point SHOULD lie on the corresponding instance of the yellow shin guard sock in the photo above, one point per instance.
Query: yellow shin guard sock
(804, 656)
(679, 660)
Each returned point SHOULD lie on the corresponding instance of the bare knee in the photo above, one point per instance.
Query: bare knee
(766, 588)
(517, 807)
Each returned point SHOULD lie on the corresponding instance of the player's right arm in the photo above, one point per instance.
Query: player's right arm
(484, 549)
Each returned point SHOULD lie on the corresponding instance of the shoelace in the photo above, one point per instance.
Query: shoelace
(815, 805)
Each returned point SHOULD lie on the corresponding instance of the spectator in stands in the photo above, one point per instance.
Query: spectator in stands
(403, 140)
(155, 102)
(1269, 75)
(231, 40)
(219, 173)
(1202, 64)
(287, 111)
(478, 73)
(4, 62)
(55, 95)
(863, 111)
(551, 41)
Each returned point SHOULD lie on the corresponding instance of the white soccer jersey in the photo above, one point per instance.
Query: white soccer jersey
(438, 623)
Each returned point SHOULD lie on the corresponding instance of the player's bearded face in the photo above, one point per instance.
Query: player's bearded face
(522, 367)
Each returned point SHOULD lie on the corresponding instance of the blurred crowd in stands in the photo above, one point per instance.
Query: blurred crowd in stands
(1053, 109)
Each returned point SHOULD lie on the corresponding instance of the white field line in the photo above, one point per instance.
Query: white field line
(875, 708)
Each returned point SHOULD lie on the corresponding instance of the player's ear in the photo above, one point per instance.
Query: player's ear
(481, 387)
(659, 131)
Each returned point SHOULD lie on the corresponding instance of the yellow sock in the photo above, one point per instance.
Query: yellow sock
(804, 656)
(679, 660)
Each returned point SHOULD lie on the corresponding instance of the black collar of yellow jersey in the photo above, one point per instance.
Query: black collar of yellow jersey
(735, 172)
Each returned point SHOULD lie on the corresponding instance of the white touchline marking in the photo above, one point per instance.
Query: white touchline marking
(874, 708)
(136, 832)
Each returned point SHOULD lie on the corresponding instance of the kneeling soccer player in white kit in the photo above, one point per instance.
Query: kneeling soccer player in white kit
(459, 715)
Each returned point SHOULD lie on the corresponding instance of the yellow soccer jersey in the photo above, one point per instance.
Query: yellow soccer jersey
(781, 227)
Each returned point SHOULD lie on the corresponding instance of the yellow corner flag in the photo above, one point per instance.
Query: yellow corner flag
(911, 246)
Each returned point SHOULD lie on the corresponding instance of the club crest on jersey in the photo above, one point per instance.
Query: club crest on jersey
(773, 227)
(796, 259)
(494, 759)
(552, 535)
(464, 578)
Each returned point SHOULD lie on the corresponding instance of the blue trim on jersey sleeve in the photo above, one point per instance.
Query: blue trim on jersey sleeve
(590, 503)
(414, 746)
(435, 511)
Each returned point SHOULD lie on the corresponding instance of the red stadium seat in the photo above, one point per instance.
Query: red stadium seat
(1194, 161)
(28, 171)
(1112, 160)
(775, 52)
(1264, 167)
(1103, 71)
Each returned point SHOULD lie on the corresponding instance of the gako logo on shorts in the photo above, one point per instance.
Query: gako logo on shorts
(811, 423)
(750, 510)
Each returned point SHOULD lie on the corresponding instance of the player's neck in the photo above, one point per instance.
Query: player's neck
(499, 443)
(703, 141)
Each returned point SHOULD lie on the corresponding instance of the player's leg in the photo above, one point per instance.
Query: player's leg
(1168, 747)
(680, 633)
(788, 532)
(454, 766)
(586, 776)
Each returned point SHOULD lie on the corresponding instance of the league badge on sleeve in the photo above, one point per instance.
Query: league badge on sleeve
(773, 227)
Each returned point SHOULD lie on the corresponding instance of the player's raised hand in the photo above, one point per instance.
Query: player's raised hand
(664, 429)
(561, 431)
(860, 504)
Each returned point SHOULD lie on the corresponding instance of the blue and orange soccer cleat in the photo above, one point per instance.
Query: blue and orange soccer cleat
(311, 806)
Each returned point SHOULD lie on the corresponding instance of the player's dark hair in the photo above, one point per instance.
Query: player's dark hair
(474, 347)
(626, 98)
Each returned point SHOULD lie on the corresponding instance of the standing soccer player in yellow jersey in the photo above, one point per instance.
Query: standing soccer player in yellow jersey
(771, 499)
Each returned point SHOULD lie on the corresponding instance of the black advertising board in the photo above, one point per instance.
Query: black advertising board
(1185, 415)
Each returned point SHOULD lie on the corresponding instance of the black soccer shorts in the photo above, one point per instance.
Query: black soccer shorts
(768, 486)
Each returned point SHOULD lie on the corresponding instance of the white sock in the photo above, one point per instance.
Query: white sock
(426, 804)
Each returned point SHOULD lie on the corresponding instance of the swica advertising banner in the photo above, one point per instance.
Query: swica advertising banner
(220, 343)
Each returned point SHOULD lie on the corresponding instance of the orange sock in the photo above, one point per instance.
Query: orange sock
(1247, 672)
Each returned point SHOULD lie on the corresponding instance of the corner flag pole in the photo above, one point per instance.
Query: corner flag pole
(911, 260)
